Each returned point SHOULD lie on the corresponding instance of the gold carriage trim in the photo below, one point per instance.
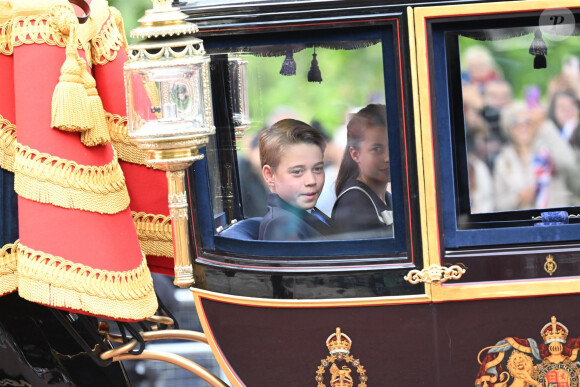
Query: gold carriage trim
(57, 282)
(64, 183)
(8, 273)
(126, 150)
(7, 144)
(110, 39)
(154, 232)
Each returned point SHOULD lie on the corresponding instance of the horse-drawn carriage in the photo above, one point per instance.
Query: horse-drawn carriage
(477, 283)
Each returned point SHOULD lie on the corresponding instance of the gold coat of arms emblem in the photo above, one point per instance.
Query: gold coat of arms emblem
(519, 362)
(339, 361)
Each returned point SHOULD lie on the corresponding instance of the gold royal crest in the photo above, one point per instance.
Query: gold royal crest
(339, 348)
(522, 362)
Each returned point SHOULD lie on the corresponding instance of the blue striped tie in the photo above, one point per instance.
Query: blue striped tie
(319, 216)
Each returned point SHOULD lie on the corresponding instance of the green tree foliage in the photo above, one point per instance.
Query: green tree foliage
(515, 62)
(350, 79)
(132, 11)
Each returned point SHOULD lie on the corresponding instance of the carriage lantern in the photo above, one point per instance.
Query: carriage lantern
(169, 109)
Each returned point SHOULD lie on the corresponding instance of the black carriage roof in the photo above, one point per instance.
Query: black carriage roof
(212, 15)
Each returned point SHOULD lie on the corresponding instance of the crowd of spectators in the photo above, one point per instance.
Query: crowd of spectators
(522, 152)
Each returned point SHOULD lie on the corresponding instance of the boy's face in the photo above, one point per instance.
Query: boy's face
(299, 177)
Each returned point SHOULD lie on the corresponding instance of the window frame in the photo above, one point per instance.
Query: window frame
(449, 140)
(371, 254)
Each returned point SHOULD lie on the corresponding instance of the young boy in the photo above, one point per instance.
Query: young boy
(291, 154)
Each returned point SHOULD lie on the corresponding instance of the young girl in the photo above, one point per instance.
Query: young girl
(363, 205)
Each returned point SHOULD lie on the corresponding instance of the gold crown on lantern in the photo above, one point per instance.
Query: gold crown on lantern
(338, 343)
(554, 331)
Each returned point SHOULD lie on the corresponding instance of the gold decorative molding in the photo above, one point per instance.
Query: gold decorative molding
(339, 346)
(550, 266)
(435, 274)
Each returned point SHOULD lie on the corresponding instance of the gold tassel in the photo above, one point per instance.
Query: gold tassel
(69, 100)
(99, 133)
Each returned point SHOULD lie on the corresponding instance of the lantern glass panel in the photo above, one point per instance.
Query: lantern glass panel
(166, 94)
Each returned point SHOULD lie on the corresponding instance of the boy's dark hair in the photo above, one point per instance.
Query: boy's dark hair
(284, 133)
(372, 115)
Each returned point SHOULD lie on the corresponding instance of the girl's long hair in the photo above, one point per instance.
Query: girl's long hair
(370, 116)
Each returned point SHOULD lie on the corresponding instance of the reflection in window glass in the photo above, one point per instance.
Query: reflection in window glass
(221, 195)
(521, 122)
(325, 86)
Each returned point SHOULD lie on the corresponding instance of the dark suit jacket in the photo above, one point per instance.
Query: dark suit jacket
(284, 222)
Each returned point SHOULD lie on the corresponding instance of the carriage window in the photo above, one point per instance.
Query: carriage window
(324, 86)
(521, 122)
(508, 113)
(339, 91)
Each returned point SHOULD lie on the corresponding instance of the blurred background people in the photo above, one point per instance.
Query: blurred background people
(568, 79)
(480, 67)
(531, 170)
(253, 187)
(565, 113)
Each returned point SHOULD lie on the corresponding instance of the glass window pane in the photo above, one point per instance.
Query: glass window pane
(521, 119)
(324, 85)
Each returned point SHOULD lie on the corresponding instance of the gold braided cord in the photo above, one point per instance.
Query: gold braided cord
(126, 150)
(8, 272)
(5, 34)
(64, 183)
(58, 282)
(46, 22)
(107, 43)
(30, 30)
(7, 144)
(154, 232)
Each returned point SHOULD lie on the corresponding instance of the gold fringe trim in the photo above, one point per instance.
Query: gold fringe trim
(154, 232)
(54, 281)
(7, 144)
(8, 272)
(126, 150)
(64, 183)
(110, 39)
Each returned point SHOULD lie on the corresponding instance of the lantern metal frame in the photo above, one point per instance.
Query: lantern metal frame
(171, 145)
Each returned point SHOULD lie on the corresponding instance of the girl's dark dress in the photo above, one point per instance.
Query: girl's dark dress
(359, 213)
